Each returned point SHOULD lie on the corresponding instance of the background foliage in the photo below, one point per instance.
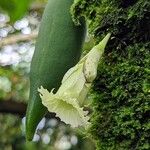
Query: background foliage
(121, 91)
(15, 8)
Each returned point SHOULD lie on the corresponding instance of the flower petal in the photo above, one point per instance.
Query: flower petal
(73, 83)
(66, 108)
(83, 93)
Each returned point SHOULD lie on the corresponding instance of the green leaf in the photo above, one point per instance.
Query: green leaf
(15, 8)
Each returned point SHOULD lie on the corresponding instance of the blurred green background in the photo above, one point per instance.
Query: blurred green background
(19, 24)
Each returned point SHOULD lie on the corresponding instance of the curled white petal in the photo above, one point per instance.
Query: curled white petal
(66, 108)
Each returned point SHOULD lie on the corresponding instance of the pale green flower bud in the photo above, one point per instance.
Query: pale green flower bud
(68, 100)
(92, 59)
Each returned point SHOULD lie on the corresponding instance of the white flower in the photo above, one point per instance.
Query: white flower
(68, 100)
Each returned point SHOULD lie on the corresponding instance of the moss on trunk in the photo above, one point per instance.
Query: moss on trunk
(121, 91)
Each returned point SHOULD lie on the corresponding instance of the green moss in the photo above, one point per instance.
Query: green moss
(121, 103)
(123, 17)
(121, 91)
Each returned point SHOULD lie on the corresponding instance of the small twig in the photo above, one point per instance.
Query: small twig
(18, 38)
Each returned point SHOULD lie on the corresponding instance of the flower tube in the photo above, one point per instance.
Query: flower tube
(68, 101)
